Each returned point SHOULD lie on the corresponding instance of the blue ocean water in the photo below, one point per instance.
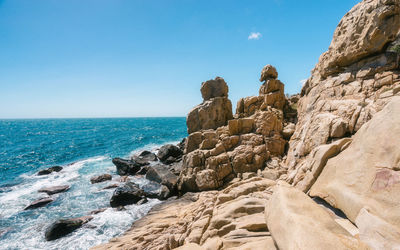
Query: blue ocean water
(84, 147)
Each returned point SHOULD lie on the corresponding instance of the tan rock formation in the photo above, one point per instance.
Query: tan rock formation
(214, 157)
(216, 109)
(297, 222)
(367, 174)
(353, 80)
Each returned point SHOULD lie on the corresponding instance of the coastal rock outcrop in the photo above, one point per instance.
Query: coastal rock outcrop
(63, 227)
(50, 170)
(215, 156)
(352, 81)
(216, 109)
(127, 167)
(127, 194)
(169, 153)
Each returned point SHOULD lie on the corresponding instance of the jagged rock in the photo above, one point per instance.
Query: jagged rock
(50, 170)
(297, 222)
(100, 178)
(161, 174)
(127, 167)
(211, 114)
(167, 151)
(62, 227)
(144, 157)
(54, 189)
(214, 88)
(39, 203)
(128, 194)
(366, 174)
(268, 72)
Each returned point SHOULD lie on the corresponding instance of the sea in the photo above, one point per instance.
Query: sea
(84, 148)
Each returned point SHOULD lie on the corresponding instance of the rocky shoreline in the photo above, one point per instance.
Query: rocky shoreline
(318, 170)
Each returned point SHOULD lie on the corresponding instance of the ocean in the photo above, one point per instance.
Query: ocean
(84, 148)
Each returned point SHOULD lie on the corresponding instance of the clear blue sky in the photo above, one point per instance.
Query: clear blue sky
(97, 58)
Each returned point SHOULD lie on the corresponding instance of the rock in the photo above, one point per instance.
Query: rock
(167, 151)
(50, 170)
(143, 170)
(142, 201)
(62, 227)
(100, 178)
(148, 156)
(126, 167)
(210, 114)
(288, 131)
(128, 194)
(182, 144)
(311, 227)
(54, 189)
(366, 174)
(214, 88)
(161, 174)
(170, 160)
(268, 72)
(97, 211)
(39, 203)
(111, 186)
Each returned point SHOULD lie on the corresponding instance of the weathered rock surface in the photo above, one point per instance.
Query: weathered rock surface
(216, 109)
(366, 174)
(127, 194)
(50, 170)
(100, 178)
(297, 222)
(353, 80)
(54, 189)
(39, 203)
(127, 167)
(166, 152)
(145, 156)
(63, 227)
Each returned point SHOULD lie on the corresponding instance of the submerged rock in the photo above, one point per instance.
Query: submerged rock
(62, 227)
(50, 170)
(100, 178)
(127, 167)
(39, 203)
(54, 189)
(167, 151)
(126, 195)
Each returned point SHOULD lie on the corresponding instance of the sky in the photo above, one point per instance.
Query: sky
(145, 58)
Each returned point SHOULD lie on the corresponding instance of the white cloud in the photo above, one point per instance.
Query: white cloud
(254, 36)
(302, 82)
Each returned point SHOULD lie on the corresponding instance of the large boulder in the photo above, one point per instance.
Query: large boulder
(268, 72)
(54, 189)
(161, 174)
(127, 167)
(366, 174)
(168, 151)
(63, 227)
(297, 222)
(50, 170)
(214, 88)
(127, 194)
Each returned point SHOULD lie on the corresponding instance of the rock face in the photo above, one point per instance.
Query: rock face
(50, 170)
(169, 153)
(367, 174)
(297, 222)
(352, 81)
(128, 194)
(54, 189)
(61, 228)
(216, 109)
(215, 156)
(100, 178)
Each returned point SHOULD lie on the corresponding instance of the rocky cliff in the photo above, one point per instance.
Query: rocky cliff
(315, 171)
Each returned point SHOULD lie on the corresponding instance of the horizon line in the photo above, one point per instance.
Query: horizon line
(104, 117)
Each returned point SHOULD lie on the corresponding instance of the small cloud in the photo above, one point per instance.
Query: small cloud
(254, 36)
(302, 82)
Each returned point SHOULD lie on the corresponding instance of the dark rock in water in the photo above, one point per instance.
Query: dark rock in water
(111, 186)
(170, 160)
(161, 174)
(50, 170)
(148, 156)
(39, 203)
(62, 227)
(126, 167)
(143, 170)
(126, 195)
(175, 168)
(182, 144)
(142, 201)
(54, 189)
(97, 211)
(169, 150)
(100, 178)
